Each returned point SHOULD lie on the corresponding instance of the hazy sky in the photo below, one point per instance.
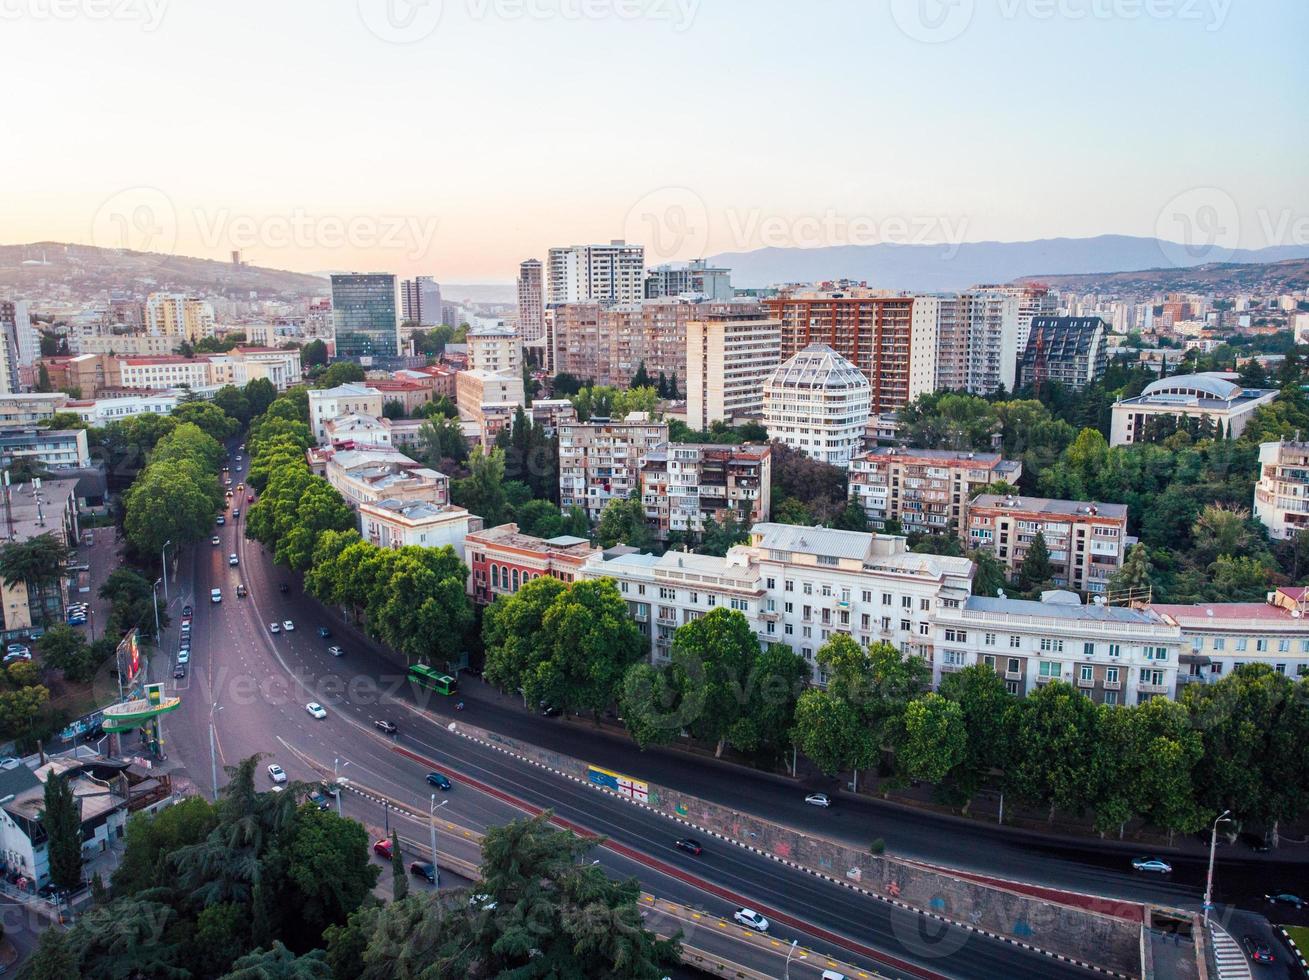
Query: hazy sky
(456, 138)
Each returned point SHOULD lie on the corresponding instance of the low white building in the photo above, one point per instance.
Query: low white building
(400, 524)
(1214, 399)
(364, 476)
(361, 430)
(101, 411)
(818, 402)
(1281, 495)
(326, 404)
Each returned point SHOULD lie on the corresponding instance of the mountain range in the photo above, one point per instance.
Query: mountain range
(942, 268)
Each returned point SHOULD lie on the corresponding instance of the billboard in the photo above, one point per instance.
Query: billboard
(129, 657)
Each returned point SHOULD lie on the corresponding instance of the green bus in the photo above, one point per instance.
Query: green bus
(433, 679)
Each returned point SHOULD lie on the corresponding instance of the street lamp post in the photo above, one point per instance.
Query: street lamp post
(431, 826)
(163, 561)
(154, 598)
(1209, 883)
(213, 751)
(336, 781)
(789, 954)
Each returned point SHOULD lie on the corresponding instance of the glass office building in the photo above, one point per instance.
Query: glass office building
(365, 311)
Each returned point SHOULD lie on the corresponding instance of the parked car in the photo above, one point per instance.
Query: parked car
(549, 711)
(179, 671)
(215, 595)
(250, 498)
(388, 727)
(316, 710)
(187, 610)
(276, 773)
(319, 799)
(423, 869)
(818, 799)
(336, 651)
(1285, 898)
(287, 625)
(439, 780)
(690, 845)
(236, 512)
(1152, 866)
(220, 520)
(184, 656)
(274, 627)
(1256, 949)
(382, 848)
(1256, 842)
(241, 591)
(751, 918)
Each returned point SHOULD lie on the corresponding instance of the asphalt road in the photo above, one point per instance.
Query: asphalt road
(254, 685)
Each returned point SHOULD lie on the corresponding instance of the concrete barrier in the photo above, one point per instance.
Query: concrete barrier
(1100, 934)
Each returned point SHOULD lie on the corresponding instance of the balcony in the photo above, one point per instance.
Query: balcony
(1043, 679)
(1112, 685)
(1086, 682)
(1013, 675)
(951, 668)
(1152, 688)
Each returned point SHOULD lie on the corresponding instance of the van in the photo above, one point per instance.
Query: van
(215, 595)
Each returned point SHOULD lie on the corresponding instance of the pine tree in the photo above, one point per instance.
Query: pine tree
(1137, 574)
(1036, 570)
(399, 883)
(62, 820)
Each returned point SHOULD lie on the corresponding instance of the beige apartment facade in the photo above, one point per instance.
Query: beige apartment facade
(728, 359)
(600, 460)
(685, 486)
(926, 490)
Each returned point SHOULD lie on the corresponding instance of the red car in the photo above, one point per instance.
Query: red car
(382, 848)
(250, 498)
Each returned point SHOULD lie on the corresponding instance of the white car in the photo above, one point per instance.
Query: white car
(336, 651)
(751, 918)
(288, 625)
(276, 773)
(183, 656)
(1152, 865)
(274, 628)
(316, 709)
(233, 560)
(215, 595)
(215, 540)
(818, 799)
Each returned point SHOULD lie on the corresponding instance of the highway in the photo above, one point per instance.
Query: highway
(254, 685)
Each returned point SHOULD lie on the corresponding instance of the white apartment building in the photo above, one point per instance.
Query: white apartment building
(29, 408)
(926, 490)
(798, 586)
(1218, 637)
(163, 372)
(1033, 300)
(605, 273)
(976, 340)
(246, 364)
(728, 360)
(179, 315)
(601, 459)
(818, 402)
(326, 404)
(359, 430)
(367, 476)
(101, 411)
(1281, 496)
(1112, 654)
(401, 524)
(496, 350)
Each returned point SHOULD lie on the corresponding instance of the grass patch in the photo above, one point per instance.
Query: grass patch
(1301, 936)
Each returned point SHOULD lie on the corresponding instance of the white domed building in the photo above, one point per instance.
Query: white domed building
(818, 402)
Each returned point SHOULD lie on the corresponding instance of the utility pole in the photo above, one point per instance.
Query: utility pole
(154, 598)
(213, 749)
(1209, 882)
(431, 826)
(163, 561)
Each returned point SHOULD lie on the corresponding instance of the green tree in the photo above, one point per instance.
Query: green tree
(830, 732)
(1036, 572)
(314, 352)
(623, 522)
(483, 491)
(712, 658)
(342, 372)
(232, 401)
(989, 578)
(209, 418)
(54, 959)
(40, 562)
(512, 632)
(152, 837)
(64, 648)
(985, 704)
(61, 816)
(1137, 574)
(399, 880)
(279, 963)
(719, 538)
(852, 518)
(540, 518)
(588, 641)
(1053, 740)
(936, 738)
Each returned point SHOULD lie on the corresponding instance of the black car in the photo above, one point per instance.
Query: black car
(1256, 842)
(423, 869)
(549, 711)
(690, 845)
(187, 611)
(179, 671)
(324, 632)
(1285, 898)
(283, 587)
(1257, 950)
(389, 727)
(438, 780)
(185, 642)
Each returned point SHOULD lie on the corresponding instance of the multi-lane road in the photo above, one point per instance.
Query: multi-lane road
(254, 684)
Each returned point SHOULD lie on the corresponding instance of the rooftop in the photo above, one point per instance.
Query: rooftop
(508, 536)
(1212, 389)
(986, 460)
(1062, 610)
(1044, 505)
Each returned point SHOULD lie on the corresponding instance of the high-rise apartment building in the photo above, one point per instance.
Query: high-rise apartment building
(729, 356)
(179, 315)
(685, 486)
(976, 340)
(531, 302)
(690, 279)
(926, 490)
(600, 460)
(495, 349)
(1281, 497)
(1034, 300)
(366, 311)
(1087, 541)
(1069, 349)
(19, 345)
(420, 301)
(817, 402)
(870, 328)
(613, 273)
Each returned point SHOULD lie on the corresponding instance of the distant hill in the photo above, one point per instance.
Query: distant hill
(1221, 277)
(47, 271)
(933, 268)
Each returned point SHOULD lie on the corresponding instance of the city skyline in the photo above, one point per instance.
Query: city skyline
(454, 200)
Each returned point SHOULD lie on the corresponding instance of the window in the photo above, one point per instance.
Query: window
(1111, 697)
(906, 602)
(1049, 645)
(867, 596)
(711, 599)
(886, 598)
(808, 653)
(1111, 675)
(789, 630)
(788, 608)
(924, 628)
(740, 605)
(1088, 649)
(1087, 672)
(807, 632)
(665, 593)
(694, 597)
(1240, 644)
(906, 625)
(515, 577)
(924, 605)
(1215, 668)
(1261, 645)
(790, 585)
(1220, 643)
(1156, 653)
(865, 622)
(770, 605)
(956, 636)
(954, 658)
(1115, 650)
(1015, 641)
(1283, 646)
(989, 660)
(1281, 668)
(772, 584)
(1014, 666)
(989, 639)
(1049, 668)
(809, 588)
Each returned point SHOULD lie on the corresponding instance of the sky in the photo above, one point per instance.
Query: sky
(457, 137)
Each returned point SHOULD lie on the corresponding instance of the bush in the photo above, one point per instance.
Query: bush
(878, 846)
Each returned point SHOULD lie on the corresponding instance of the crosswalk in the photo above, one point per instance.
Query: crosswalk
(1232, 964)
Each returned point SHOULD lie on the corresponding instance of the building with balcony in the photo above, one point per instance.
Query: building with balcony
(1218, 637)
(367, 476)
(551, 413)
(355, 430)
(1071, 350)
(1281, 496)
(926, 490)
(684, 487)
(1087, 541)
(818, 402)
(794, 585)
(613, 273)
(1112, 654)
(692, 279)
(326, 404)
(729, 357)
(392, 523)
(501, 560)
(489, 401)
(495, 349)
(976, 341)
(30, 408)
(179, 316)
(1214, 401)
(601, 459)
(531, 301)
(56, 449)
(30, 512)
